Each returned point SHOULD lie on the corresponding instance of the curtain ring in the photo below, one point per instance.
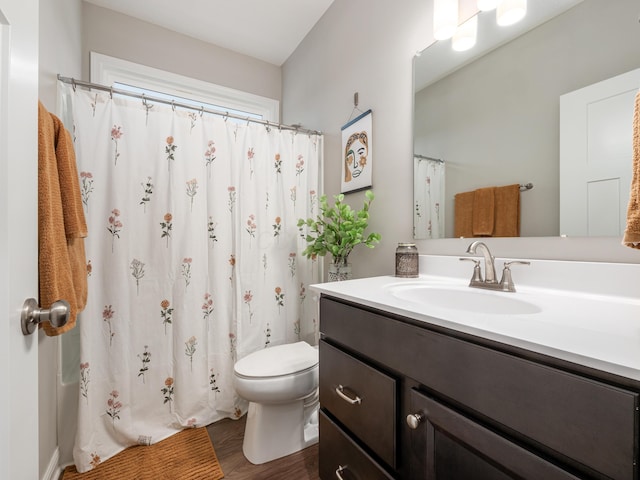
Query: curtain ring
(226, 116)
(73, 84)
(144, 101)
(268, 127)
(173, 105)
(111, 92)
(201, 110)
(248, 121)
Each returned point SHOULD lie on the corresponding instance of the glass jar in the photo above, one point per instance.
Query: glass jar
(407, 260)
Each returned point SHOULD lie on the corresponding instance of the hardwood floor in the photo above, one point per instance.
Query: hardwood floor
(226, 436)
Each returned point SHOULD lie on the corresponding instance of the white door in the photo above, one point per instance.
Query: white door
(595, 156)
(18, 237)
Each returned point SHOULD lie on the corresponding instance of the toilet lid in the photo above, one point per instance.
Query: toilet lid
(278, 360)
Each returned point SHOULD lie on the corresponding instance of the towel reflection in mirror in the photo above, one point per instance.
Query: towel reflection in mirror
(488, 212)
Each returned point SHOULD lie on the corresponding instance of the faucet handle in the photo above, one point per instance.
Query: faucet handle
(506, 283)
(477, 274)
(515, 262)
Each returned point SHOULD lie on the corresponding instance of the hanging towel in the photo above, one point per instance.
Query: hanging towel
(483, 212)
(507, 211)
(632, 232)
(463, 221)
(61, 222)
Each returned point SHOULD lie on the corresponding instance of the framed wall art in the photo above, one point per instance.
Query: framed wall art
(357, 153)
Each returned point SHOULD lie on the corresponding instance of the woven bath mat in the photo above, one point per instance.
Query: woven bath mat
(187, 455)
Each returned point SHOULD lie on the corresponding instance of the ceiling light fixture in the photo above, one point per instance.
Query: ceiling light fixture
(510, 11)
(465, 36)
(445, 18)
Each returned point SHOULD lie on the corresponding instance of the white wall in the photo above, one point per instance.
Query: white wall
(363, 46)
(496, 121)
(121, 36)
(368, 46)
(60, 38)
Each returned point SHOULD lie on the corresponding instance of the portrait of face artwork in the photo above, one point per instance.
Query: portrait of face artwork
(357, 153)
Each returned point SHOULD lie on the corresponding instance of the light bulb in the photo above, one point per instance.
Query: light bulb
(486, 5)
(465, 36)
(445, 18)
(510, 11)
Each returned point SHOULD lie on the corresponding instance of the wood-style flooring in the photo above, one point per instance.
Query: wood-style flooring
(226, 436)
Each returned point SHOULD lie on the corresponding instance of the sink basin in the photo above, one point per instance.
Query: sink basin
(464, 299)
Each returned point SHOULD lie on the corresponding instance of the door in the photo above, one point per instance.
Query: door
(18, 237)
(595, 156)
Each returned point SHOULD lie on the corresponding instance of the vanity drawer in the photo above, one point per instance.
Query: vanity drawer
(338, 453)
(360, 397)
(585, 423)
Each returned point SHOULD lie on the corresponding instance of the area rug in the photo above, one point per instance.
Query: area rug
(187, 455)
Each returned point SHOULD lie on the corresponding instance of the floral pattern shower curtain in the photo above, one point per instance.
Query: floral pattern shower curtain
(194, 261)
(428, 187)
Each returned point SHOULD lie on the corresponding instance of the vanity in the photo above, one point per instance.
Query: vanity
(543, 383)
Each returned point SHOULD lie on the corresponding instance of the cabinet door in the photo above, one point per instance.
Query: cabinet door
(449, 446)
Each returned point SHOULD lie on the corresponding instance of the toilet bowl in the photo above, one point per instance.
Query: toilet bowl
(281, 385)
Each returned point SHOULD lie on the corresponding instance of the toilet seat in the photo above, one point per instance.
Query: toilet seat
(278, 361)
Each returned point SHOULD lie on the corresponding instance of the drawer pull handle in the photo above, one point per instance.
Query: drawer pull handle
(414, 420)
(339, 471)
(346, 398)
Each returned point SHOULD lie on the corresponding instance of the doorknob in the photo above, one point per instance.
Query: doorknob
(32, 315)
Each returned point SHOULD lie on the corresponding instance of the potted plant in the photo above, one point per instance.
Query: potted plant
(336, 230)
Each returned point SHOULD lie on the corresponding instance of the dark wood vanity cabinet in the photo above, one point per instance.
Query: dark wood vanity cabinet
(402, 399)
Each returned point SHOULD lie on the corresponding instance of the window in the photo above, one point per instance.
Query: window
(131, 76)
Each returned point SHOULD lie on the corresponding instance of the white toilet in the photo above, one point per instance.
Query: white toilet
(281, 385)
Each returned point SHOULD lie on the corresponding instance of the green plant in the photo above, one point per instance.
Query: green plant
(338, 229)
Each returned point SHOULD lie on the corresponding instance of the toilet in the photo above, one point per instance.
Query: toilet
(281, 385)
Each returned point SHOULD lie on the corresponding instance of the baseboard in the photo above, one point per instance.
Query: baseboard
(53, 469)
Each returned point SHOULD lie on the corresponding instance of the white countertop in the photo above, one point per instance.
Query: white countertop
(598, 330)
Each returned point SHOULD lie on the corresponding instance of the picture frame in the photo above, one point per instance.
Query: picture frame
(357, 153)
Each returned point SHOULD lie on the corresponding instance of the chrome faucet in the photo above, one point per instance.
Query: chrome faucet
(506, 283)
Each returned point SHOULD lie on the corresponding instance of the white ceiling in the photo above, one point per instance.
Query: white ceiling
(268, 30)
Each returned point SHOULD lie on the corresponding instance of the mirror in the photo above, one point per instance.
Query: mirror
(490, 115)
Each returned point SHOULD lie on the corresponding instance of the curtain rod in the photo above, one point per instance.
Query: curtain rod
(424, 157)
(79, 83)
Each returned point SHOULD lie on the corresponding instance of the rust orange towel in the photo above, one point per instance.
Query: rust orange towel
(632, 232)
(61, 221)
(484, 212)
(463, 221)
(507, 221)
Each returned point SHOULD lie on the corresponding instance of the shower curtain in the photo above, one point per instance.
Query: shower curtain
(194, 260)
(428, 187)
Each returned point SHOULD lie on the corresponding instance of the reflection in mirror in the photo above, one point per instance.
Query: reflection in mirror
(428, 185)
(495, 120)
(595, 156)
